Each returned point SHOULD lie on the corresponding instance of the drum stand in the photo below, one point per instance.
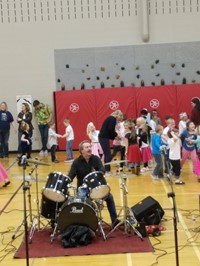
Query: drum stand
(99, 204)
(128, 220)
(27, 188)
(36, 221)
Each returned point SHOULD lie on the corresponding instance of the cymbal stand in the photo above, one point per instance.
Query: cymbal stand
(36, 221)
(128, 218)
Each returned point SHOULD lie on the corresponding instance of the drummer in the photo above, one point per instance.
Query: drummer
(84, 165)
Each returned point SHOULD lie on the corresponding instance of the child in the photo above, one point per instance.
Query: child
(188, 146)
(156, 143)
(52, 141)
(182, 122)
(26, 142)
(143, 142)
(197, 142)
(174, 144)
(93, 135)
(4, 176)
(132, 150)
(69, 135)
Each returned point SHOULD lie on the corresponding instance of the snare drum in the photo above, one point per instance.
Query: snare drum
(97, 185)
(56, 187)
(77, 211)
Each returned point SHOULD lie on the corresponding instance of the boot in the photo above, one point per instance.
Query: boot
(138, 170)
(133, 170)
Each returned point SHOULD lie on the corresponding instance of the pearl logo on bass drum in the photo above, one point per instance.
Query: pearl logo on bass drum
(75, 210)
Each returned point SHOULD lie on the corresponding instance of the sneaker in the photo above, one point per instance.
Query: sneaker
(68, 161)
(179, 182)
(155, 177)
(55, 161)
(46, 153)
(41, 153)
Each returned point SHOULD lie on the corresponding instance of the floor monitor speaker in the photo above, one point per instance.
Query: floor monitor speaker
(148, 211)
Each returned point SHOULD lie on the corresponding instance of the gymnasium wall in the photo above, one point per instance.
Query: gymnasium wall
(85, 106)
(32, 30)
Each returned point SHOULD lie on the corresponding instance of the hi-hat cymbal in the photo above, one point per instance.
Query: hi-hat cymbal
(37, 162)
(116, 162)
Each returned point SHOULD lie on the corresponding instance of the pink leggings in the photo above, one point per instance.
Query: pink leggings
(186, 154)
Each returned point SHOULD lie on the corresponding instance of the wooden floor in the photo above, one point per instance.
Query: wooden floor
(139, 187)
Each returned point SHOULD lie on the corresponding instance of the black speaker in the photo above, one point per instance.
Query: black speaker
(148, 211)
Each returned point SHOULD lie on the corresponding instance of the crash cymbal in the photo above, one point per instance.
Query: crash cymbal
(37, 162)
(116, 162)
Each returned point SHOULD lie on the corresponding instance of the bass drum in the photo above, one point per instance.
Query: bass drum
(76, 211)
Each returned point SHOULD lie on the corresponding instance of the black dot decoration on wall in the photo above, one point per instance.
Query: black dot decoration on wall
(112, 86)
(157, 61)
(184, 81)
(82, 86)
(178, 73)
(162, 82)
(107, 77)
(153, 83)
(88, 78)
(67, 66)
(121, 83)
(183, 65)
(173, 82)
(152, 66)
(172, 65)
(138, 76)
(157, 75)
(198, 72)
(122, 68)
(73, 88)
(58, 80)
(102, 85)
(62, 87)
(98, 78)
(142, 83)
(82, 70)
(137, 68)
(87, 65)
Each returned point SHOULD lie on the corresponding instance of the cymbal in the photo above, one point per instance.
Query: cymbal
(116, 162)
(37, 162)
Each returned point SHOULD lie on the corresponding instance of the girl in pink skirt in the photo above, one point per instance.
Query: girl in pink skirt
(93, 135)
(4, 176)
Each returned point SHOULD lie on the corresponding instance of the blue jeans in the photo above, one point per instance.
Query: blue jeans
(44, 129)
(158, 170)
(69, 149)
(4, 137)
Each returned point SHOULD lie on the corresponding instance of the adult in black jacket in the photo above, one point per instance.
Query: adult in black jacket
(107, 132)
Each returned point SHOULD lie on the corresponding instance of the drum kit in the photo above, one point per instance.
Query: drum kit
(62, 208)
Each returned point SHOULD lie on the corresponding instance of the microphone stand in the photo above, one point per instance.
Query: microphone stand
(175, 213)
(25, 188)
